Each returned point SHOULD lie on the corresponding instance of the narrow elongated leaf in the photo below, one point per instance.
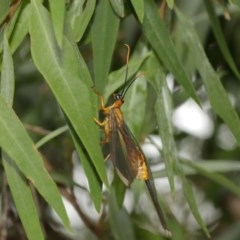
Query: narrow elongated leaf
(7, 23)
(14, 11)
(79, 17)
(15, 141)
(216, 93)
(51, 135)
(236, 2)
(142, 233)
(120, 189)
(69, 79)
(135, 106)
(7, 74)
(170, 3)
(118, 6)
(21, 28)
(158, 36)
(104, 34)
(189, 195)
(216, 177)
(139, 9)
(94, 183)
(223, 166)
(23, 199)
(3, 9)
(19, 188)
(57, 8)
(163, 109)
(220, 37)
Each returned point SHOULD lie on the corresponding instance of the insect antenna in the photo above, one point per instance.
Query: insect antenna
(124, 90)
(127, 84)
(127, 59)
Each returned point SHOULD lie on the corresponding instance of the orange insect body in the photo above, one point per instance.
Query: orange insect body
(114, 120)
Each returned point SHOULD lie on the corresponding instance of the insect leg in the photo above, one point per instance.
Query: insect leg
(101, 100)
(105, 127)
(107, 157)
(101, 124)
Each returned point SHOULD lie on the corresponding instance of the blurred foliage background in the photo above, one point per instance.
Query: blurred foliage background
(184, 110)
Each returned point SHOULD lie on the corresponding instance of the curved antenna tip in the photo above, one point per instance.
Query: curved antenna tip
(128, 53)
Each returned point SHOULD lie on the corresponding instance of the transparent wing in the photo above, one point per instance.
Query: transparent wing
(124, 149)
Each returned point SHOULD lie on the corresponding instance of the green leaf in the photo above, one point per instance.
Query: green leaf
(57, 8)
(13, 18)
(118, 6)
(5, 7)
(21, 28)
(19, 188)
(15, 141)
(142, 233)
(93, 180)
(223, 166)
(188, 193)
(104, 34)
(217, 95)
(216, 177)
(158, 36)
(7, 74)
(170, 3)
(68, 77)
(119, 188)
(134, 107)
(236, 2)
(139, 9)
(163, 109)
(23, 199)
(79, 17)
(220, 37)
(51, 135)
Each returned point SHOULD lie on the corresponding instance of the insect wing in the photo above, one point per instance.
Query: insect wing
(124, 150)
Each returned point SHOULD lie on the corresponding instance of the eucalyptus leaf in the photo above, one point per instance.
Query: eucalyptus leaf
(160, 40)
(22, 195)
(57, 8)
(104, 33)
(68, 77)
(220, 37)
(139, 9)
(15, 141)
(217, 95)
(19, 187)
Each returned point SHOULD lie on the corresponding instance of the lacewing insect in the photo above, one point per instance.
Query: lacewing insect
(125, 153)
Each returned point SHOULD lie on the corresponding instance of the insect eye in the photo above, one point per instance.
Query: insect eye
(117, 96)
